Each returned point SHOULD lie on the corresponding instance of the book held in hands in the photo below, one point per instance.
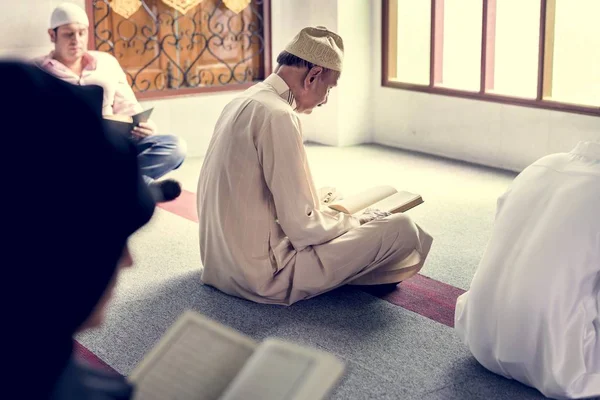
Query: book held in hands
(384, 198)
(124, 124)
(201, 359)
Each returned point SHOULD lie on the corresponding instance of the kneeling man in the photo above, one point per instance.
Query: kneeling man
(533, 310)
(264, 234)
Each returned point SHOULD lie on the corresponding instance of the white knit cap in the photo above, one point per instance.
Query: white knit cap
(68, 13)
(319, 46)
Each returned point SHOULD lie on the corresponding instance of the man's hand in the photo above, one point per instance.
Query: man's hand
(144, 129)
(372, 214)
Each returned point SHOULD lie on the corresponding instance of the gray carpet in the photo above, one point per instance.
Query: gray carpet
(391, 353)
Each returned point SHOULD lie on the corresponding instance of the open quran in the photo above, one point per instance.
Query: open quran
(201, 359)
(384, 198)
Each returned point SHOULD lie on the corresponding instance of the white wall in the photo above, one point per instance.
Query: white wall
(492, 134)
(354, 88)
(24, 25)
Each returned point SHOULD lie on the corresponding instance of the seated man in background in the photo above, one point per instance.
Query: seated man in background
(533, 310)
(72, 62)
(264, 234)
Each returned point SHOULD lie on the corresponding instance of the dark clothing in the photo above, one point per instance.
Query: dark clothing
(69, 210)
(83, 382)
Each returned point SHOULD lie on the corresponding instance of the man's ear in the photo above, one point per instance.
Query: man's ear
(52, 35)
(312, 75)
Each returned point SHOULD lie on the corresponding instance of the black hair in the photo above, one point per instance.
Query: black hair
(285, 58)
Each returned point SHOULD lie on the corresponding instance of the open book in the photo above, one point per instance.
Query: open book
(201, 359)
(123, 124)
(384, 198)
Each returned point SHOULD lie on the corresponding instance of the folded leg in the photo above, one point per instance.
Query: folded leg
(380, 252)
(159, 154)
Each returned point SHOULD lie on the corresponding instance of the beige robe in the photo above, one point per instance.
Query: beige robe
(264, 234)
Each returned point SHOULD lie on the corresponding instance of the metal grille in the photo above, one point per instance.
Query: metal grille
(161, 49)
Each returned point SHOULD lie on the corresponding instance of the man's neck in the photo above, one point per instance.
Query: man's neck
(76, 66)
(290, 77)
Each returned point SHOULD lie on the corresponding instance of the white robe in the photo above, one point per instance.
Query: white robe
(264, 235)
(532, 312)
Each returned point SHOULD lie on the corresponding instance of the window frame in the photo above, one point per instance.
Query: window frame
(546, 38)
(184, 92)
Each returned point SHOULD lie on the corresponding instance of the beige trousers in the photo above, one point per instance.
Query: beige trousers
(389, 250)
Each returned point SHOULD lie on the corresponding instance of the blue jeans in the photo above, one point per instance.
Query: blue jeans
(158, 155)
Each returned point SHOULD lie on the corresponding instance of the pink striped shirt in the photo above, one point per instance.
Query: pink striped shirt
(100, 69)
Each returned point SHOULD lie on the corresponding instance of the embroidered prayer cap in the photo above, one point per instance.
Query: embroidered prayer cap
(68, 13)
(319, 46)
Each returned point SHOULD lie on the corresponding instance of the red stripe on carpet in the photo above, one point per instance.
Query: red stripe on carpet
(425, 296)
(422, 295)
(184, 206)
(90, 358)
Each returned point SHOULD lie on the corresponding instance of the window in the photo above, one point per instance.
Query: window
(165, 52)
(512, 47)
(540, 53)
(460, 23)
(573, 49)
(412, 41)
